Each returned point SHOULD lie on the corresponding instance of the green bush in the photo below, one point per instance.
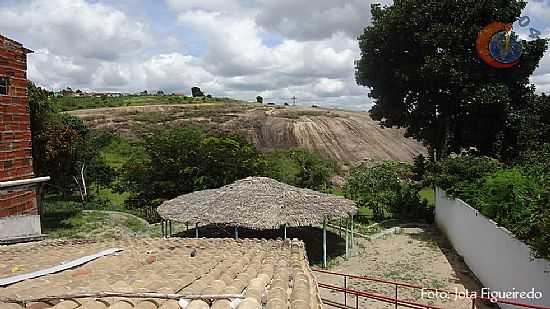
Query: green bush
(181, 160)
(300, 168)
(462, 175)
(386, 187)
(517, 198)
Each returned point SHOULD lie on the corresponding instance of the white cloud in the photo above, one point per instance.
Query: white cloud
(95, 46)
(206, 5)
(303, 20)
(75, 28)
(55, 71)
(538, 9)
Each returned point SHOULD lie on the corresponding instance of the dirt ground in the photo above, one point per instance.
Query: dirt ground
(419, 256)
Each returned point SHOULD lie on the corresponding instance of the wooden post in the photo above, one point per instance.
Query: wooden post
(347, 240)
(236, 232)
(169, 228)
(325, 243)
(197, 230)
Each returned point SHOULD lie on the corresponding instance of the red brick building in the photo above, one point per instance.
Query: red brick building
(18, 205)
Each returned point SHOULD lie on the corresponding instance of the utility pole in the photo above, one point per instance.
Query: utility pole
(293, 100)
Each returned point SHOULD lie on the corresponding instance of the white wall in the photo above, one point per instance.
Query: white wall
(20, 227)
(500, 261)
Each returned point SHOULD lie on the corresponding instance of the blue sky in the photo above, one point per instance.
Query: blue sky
(236, 48)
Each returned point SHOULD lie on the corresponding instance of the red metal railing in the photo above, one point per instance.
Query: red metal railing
(395, 300)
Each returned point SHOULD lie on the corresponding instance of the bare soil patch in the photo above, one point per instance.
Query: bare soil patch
(418, 256)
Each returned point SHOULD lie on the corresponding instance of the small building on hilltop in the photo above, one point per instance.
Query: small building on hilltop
(19, 215)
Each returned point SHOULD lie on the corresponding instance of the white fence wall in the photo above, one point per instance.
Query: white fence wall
(500, 261)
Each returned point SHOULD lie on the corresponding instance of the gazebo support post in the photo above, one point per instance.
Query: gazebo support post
(347, 240)
(197, 230)
(236, 232)
(162, 228)
(284, 229)
(325, 243)
(169, 228)
(352, 238)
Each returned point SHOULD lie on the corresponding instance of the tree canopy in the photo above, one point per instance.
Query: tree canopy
(420, 61)
(64, 148)
(177, 161)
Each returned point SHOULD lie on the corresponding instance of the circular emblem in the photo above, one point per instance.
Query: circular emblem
(498, 46)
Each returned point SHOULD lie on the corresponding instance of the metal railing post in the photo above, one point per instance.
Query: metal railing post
(396, 287)
(345, 290)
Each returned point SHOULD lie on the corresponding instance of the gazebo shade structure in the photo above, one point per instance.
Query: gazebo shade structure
(257, 203)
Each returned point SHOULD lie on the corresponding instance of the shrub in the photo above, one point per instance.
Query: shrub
(301, 168)
(181, 160)
(386, 186)
(517, 198)
(462, 175)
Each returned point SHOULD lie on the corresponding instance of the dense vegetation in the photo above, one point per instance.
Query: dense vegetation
(301, 168)
(516, 197)
(176, 161)
(65, 149)
(387, 188)
(105, 171)
(419, 58)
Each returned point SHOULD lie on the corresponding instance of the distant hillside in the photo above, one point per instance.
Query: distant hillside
(343, 135)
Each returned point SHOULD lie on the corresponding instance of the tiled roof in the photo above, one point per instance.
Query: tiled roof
(273, 273)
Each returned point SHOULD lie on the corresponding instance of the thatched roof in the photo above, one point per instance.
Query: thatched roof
(258, 203)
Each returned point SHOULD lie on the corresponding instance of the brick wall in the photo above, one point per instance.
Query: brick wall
(15, 133)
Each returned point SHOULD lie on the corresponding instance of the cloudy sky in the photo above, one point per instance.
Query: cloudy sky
(236, 48)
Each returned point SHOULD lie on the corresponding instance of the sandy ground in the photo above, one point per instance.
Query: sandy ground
(419, 256)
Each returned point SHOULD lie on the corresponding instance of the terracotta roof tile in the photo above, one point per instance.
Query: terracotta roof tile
(272, 273)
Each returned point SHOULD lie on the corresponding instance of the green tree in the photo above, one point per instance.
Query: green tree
(196, 92)
(533, 127)
(182, 160)
(420, 61)
(64, 148)
(40, 107)
(300, 168)
(383, 187)
(419, 167)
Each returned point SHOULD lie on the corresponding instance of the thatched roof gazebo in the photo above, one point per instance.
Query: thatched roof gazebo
(257, 203)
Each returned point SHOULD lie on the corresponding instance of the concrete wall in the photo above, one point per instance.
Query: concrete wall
(19, 227)
(500, 261)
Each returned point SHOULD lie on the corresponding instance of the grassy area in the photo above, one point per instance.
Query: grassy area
(67, 219)
(120, 151)
(117, 199)
(428, 194)
(76, 103)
